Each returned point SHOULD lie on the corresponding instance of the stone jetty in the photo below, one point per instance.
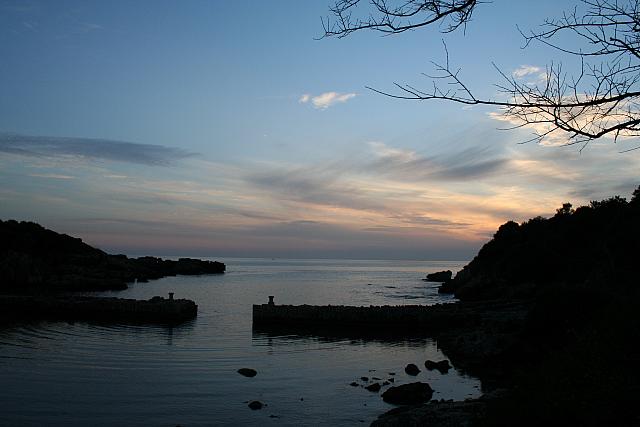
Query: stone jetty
(432, 318)
(78, 308)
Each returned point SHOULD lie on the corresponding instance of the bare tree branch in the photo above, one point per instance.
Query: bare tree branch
(601, 100)
(407, 15)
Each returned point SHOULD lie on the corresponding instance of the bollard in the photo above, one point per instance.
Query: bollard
(271, 300)
(170, 296)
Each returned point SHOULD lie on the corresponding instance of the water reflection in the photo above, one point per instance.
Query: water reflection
(285, 335)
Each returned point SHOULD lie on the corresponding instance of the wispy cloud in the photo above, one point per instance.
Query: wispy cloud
(90, 148)
(51, 176)
(407, 165)
(304, 98)
(529, 70)
(326, 99)
(314, 186)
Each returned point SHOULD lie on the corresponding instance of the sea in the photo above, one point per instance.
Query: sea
(93, 374)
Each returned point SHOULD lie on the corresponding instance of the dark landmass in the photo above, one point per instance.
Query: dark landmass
(554, 323)
(80, 308)
(36, 260)
(594, 247)
(548, 319)
(40, 269)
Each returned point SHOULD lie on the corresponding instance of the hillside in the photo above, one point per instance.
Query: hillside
(593, 246)
(33, 258)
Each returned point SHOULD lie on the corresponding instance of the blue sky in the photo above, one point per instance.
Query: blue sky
(228, 129)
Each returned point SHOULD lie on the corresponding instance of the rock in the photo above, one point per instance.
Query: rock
(392, 380)
(443, 366)
(376, 378)
(354, 384)
(386, 383)
(392, 373)
(247, 372)
(408, 394)
(440, 276)
(448, 287)
(364, 378)
(468, 413)
(375, 387)
(255, 405)
(412, 369)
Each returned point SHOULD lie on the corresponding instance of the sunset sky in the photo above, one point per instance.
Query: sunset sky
(228, 128)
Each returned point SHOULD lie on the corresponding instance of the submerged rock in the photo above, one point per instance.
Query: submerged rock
(247, 372)
(443, 366)
(354, 384)
(375, 387)
(408, 394)
(412, 369)
(364, 378)
(466, 413)
(255, 405)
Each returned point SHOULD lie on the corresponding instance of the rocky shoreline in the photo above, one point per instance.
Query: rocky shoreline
(41, 272)
(36, 260)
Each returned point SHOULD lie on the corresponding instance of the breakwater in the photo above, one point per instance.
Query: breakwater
(77, 308)
(421, 317)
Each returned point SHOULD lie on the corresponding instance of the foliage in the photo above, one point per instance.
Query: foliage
(596, 245)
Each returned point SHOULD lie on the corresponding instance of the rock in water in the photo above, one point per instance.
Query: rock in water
(255, 405)
(440, 276)
(443, 366)
(408, 394)
(247, 372)
(375, 387)
(412, 369)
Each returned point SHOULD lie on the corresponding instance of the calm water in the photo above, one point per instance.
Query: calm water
(89, 374)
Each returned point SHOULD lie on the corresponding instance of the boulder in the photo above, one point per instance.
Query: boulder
(440, 276)
(247, 372)
(375, 387)
(408, 394)
(412, 369)
(255, 405)
(443, 366)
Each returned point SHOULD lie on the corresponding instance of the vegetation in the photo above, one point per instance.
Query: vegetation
(34, 259)
(572, 361)
(594, 246)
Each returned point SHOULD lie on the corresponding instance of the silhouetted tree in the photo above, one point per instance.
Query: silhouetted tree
(564, 210)
(635, 197)
(602, 99)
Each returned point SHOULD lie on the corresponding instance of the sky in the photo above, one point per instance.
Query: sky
(232, 129)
